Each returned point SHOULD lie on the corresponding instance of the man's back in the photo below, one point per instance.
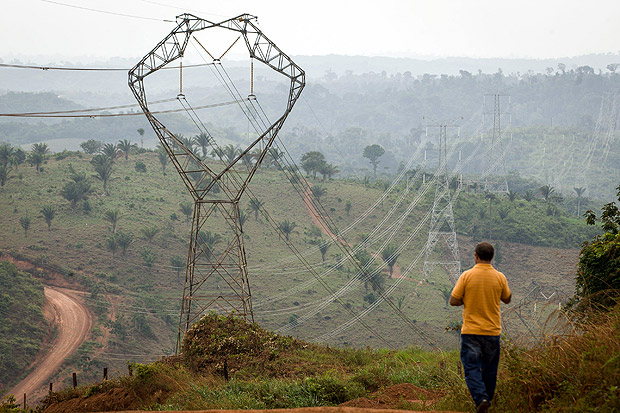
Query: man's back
(481, 289)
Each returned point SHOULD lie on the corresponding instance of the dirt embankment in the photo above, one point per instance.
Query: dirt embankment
(65, 310)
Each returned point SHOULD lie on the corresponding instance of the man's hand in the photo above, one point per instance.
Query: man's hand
(455, 302)
(506, 301)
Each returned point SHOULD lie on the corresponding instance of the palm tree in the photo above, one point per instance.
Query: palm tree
(177, 264)
(40, 148)
(187, 209)
(5, 170)
(112, 217)
(76, 190)
(111, 244)
(25, 223)
(446, 292)
(202, 140)
(546, 191)
(529, 195)
(255, 206)
(36, 159)
(141, 133)
(124, 240)
(231, 152)
(287, 227)
(242, 218)
(390, 256)
(323, 247)
(149, 233)
(110, 151)
(318, 191)
(103, 168)
(48, 212)
(579, 191)
(347, 206)
(163, 159)
(125, 146)
(512, 195)
(208, 241)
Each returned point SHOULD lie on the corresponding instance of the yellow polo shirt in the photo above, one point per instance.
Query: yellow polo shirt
(481, 289)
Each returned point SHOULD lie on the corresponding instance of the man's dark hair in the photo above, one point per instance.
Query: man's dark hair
(485, 251)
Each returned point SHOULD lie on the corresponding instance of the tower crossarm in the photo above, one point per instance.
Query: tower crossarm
(171, 48)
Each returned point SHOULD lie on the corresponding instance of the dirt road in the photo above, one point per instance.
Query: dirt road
(73, 322)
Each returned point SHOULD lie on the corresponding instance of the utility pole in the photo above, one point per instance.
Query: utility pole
(216, 277)
(442, 249)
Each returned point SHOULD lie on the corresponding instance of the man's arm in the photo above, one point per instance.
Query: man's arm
(506, 301)
(455, 302)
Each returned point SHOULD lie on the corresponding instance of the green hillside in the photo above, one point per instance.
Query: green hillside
(136, 294)
(23, 326)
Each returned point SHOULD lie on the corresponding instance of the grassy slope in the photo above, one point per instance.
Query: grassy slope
(23, 326)
(139, 304)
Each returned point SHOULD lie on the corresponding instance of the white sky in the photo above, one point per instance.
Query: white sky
(400, 28)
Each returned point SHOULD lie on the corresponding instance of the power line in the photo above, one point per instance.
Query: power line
(89, 69)
(106, 12)
(104, 115)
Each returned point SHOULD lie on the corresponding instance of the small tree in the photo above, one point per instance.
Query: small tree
(140, 167)
(287, 227)
(112, 217)
(390, 256)
(5, 171)
(598, 271)
(177, 264)
(187, 209)
(208, 240)
(323, 247)
(255, 206)
(347, 206)
(512, 196)
(124, 240)
(163, 159)
(546, 191)
(148, 257)
(110, 151)
(76, 191)
(446, 292)
(103, 170)
(48, 213)
(36, 159)
(91, 146)
(318, 191)
(125, 146)
(149, 233)
(373, 153)
(25, 223)
(111, 244)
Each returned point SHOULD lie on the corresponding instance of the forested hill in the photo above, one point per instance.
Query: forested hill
(566, 107)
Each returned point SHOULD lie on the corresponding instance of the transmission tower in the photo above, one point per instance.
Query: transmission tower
(442, 249)
(216, 278)
(495, 175)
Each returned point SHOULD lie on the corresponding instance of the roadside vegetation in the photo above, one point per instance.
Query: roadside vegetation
(23, 327)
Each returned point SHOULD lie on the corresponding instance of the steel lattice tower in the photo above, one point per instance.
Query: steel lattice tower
(442, 249)
(496, 164)
(216, 277)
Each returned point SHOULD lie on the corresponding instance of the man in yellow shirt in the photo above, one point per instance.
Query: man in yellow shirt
(480, 290)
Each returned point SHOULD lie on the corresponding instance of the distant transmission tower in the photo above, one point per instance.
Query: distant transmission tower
(495, 176)
(442, 249)
(216, 278)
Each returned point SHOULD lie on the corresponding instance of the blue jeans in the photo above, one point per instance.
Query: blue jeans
(480, 357)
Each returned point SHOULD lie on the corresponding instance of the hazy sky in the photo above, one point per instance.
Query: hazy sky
(473, 28)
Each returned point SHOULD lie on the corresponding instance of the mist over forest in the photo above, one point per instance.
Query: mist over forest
(352, 102)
